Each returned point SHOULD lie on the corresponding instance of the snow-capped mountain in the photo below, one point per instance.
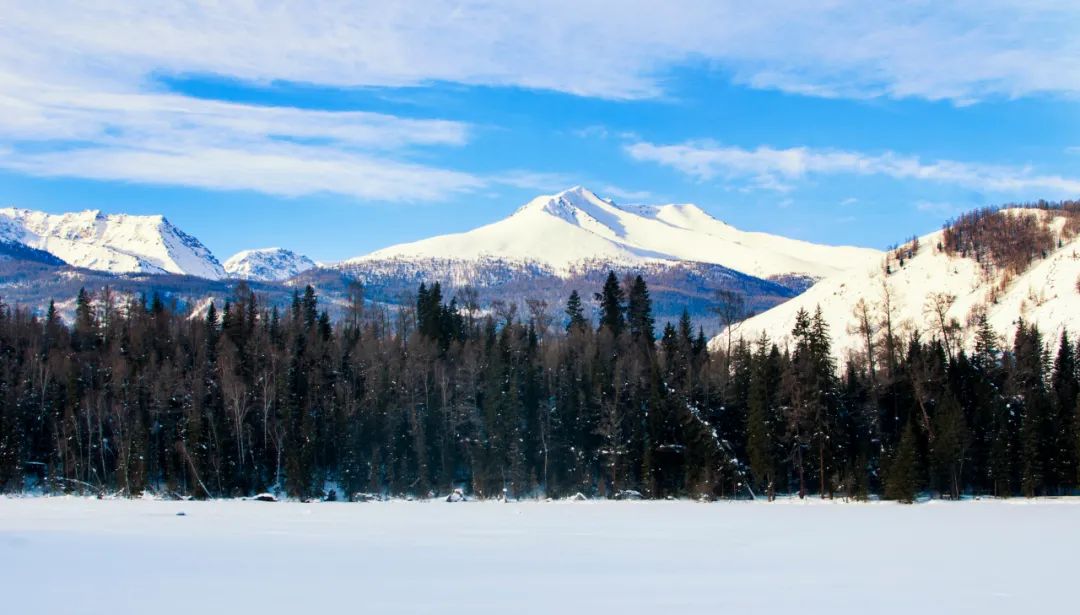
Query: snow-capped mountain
(921, 277)
(575, 229)
(115, 243)
(267, 264)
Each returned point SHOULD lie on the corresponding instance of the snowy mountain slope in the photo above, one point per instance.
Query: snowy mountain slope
(267, 264)
(115, 243)
(1045, 293)
(565, 232)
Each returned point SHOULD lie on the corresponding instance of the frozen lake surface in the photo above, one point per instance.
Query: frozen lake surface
(78, 555)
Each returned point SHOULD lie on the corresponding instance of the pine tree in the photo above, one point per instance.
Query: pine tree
(575, 313)
(612, 308)
(903, 478)
(85, 331)
(1064, 390)
(950, 445)
(814, 392)
(639, 312)
(310, 306)
(762, 420)
(1027, 383)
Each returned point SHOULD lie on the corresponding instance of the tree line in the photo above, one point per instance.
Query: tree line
(435, 395)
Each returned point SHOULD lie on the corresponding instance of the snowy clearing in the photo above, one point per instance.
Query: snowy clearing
(78, 555)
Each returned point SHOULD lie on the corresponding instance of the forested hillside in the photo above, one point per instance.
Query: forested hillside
(423, 399)
(1017, 263)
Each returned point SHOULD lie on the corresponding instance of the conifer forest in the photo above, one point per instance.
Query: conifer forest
(441, 394)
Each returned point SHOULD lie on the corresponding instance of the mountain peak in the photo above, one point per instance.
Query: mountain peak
(115, 243)
(562, 231)
(564, 202)
(267, 264)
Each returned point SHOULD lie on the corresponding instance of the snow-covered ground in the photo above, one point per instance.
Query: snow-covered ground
(77, 555)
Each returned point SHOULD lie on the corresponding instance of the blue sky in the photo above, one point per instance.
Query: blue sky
(336, 128)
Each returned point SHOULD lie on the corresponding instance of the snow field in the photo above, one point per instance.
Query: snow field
(77, 555)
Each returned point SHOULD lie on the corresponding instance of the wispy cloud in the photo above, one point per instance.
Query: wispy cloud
(960, 51)
(106, 131)
(776, 169)
(285, 170)
(81, 94)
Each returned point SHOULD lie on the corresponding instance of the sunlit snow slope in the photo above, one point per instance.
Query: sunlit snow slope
(1046, 294)
(575, 227)
(267, 264)
(116, 243)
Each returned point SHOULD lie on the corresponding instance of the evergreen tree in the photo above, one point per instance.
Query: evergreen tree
(85, 332)
(612, 305)
(950, 446)
(764, 429)
(575, 313)
(639, 312)
(902, 484)
(310, 306)
(814, 393)
(1028, 386)
(1064, 390)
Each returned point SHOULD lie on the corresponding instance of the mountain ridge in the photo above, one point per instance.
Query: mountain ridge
(576, 226)
(115, 243)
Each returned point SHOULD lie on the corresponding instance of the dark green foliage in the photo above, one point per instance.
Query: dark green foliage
(639, 312)
(612, 308)
(575, 313)
(422, 399)
(765, 428)
(902, 484)
(1061, 422)
(949, 449)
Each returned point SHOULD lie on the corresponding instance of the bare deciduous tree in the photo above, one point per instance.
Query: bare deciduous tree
(867, 328)
(937, 309)
(540, 316)
(731, 309)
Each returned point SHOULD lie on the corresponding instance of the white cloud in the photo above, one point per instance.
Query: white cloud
(171, 139)
(285, 170)
(33, 110)
(960, 51)
(776, 169)
(81, 94)
(179, 140)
